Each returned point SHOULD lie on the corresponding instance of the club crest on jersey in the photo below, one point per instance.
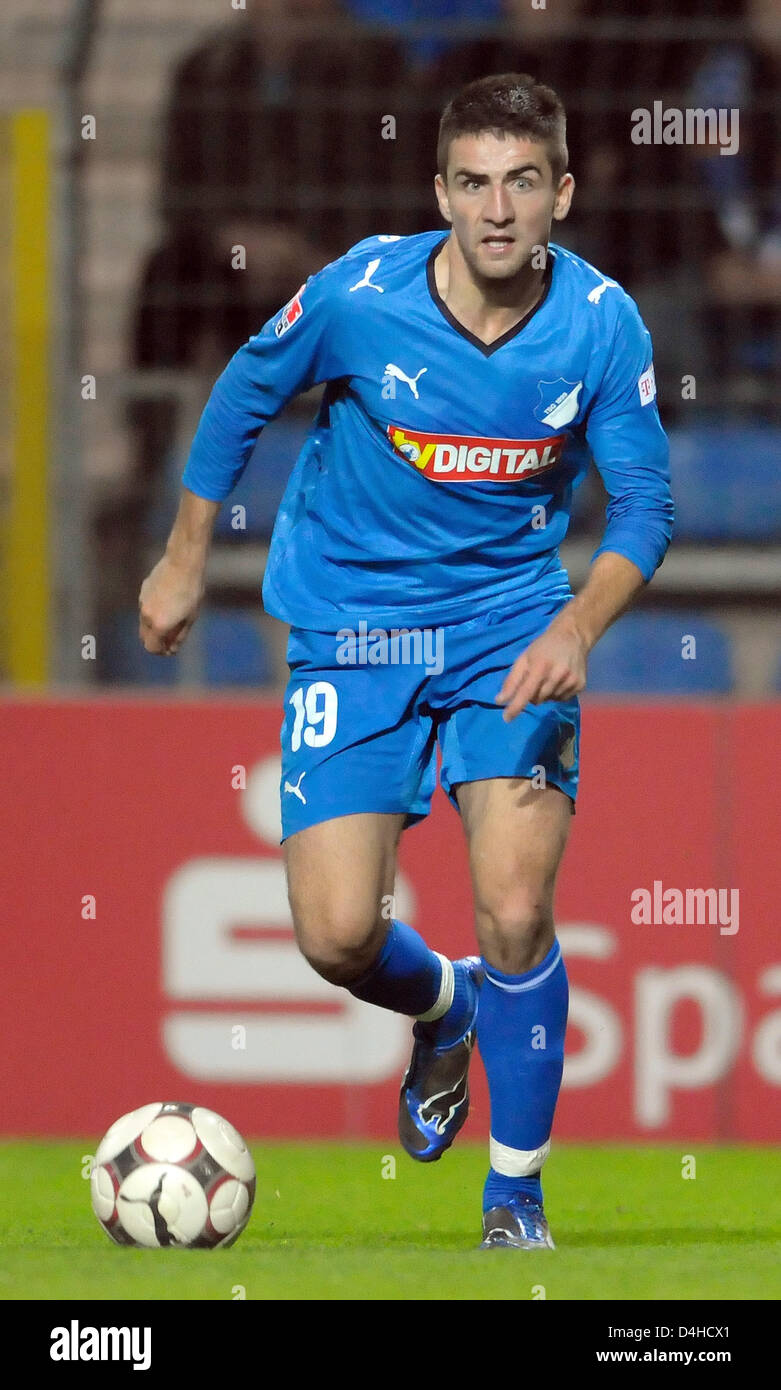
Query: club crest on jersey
(291, 313)
(559, 402)
(465, 458)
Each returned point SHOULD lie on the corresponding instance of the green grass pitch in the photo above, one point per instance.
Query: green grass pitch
(327, 1225)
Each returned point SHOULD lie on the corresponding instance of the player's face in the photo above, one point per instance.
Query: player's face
(500, 198)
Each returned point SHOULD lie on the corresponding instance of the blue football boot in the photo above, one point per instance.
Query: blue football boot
(434, 1099)
(519, 1224)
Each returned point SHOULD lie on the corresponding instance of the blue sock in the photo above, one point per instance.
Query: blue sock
(520, 1034)
(452, 1025)
(407, 976)
(499, 1189)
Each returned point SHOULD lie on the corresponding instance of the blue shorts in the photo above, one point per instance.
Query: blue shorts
(364, 714)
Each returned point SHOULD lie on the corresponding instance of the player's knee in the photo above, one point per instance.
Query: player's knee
(516, 932)
(338, 963)
(339, 945)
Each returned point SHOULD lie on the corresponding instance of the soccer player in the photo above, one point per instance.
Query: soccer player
(471, 374)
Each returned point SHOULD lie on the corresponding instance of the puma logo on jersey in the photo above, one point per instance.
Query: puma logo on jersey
(296, 790)
(597, 293)
(412, 381)
(367, 281)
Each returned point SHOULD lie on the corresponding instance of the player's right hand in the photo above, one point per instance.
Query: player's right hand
(169, 602)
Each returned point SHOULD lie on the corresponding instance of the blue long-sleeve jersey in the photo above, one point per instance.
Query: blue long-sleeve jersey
(437, 479)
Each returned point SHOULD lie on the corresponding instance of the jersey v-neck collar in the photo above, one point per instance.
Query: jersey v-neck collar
(485, 348)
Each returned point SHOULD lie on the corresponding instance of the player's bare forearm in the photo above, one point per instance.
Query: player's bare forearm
(612, 584)
(191, 534)
(553, 666)
(171, 595)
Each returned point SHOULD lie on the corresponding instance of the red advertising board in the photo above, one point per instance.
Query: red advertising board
(148, 952)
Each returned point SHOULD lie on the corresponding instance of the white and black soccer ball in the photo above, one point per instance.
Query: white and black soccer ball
(170, 1174)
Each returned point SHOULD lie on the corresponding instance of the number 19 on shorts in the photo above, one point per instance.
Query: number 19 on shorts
(315, 715)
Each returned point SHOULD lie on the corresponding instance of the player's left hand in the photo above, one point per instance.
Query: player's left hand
(552, 667)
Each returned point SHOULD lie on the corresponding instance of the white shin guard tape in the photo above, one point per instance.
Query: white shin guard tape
(446, 991)
(517, 1163)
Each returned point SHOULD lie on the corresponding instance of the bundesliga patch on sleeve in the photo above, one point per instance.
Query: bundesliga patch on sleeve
(291, 313)
(647, 386)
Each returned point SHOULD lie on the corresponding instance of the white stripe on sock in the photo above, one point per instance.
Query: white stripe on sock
(525, 984)
(517, 1163)
(446, 991)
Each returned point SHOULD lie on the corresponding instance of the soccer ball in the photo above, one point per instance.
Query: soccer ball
(170, 1174)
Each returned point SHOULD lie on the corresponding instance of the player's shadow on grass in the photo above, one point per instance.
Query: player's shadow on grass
(460, 1242)
(588, 1240)
(692, 1235)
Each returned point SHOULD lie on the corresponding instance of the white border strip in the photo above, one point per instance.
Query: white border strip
(526, 984)
(517, 1163)
(447, 986)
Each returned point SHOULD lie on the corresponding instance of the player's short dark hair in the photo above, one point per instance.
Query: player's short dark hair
(510, 103)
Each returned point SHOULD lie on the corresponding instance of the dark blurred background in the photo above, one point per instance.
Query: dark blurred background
(262, 128)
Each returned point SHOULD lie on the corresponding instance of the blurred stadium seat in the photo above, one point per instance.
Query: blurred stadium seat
(726, 481)
(234, 650)
(263, 482)
(225, 648)
(122, 658)
(643, 655)
(259, 490)
(399, 14)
